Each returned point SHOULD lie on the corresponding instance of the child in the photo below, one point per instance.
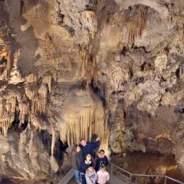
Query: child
(102, 175)
(84, 167)
(91, 176)
(101, 160)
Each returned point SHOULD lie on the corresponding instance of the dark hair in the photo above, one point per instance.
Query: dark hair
(102, 151)
(74, 151)
(102, 166)
(87, 155)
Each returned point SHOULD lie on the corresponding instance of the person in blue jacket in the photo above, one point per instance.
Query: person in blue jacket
(89, 147)
(84, 166)
(101, 160)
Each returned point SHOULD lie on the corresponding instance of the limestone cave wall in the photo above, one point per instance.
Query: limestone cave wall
(79, 68)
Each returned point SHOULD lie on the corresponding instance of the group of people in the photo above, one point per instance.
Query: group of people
(89, 166)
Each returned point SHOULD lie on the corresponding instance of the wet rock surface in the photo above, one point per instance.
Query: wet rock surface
(71, 69)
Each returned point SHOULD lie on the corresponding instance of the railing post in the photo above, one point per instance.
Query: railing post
(130, 179)
(165, 180)
(111, 168)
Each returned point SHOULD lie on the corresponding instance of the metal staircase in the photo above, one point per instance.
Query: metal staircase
(121, 176)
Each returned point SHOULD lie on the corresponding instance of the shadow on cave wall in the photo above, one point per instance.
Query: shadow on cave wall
(59, 149)
(6, 181)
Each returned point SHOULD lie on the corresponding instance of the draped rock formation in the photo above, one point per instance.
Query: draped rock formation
(72, 69)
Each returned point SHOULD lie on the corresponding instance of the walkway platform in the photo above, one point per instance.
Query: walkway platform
(66, 179)
(115, 180)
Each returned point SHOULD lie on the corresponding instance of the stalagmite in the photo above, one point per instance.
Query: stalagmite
(53, 162)
(33, 154)
(30, 144)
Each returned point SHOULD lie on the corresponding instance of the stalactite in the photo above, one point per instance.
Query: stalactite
(12, 102)
(83, 56)
(137, 25)
(7, 113)
(35, 122)
(95, 71)
(141, 20)
(24, 109)
(86, 125)
(87, 69)
(4, 57)
(31, 91)
(39, 101)
(62, 131)
(116, 76)
(53, 141)
(34, 106)
(79, 127)
(91, 22)
(42, 98)
(5, 123)
(9, 62)
(31, 78)
(132, 33)
(2, 102)
(48, 80)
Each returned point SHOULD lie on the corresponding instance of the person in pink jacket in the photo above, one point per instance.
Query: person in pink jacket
(102, 175)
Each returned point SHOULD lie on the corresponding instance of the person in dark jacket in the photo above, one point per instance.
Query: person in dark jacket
(89, 147)
(77, 159)
(84, 166)
(101, 160)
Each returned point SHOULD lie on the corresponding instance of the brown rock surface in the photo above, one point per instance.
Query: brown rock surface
(74, 68)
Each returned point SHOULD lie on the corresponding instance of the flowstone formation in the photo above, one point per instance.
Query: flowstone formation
(85, 68)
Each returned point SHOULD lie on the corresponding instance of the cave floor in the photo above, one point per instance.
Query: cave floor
(150, 164)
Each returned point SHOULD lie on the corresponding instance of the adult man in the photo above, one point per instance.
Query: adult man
(89, 147)
(77, 159)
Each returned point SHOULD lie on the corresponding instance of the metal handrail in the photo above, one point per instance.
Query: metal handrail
(130, 175)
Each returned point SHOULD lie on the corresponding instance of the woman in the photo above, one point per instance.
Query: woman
(84, 166)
